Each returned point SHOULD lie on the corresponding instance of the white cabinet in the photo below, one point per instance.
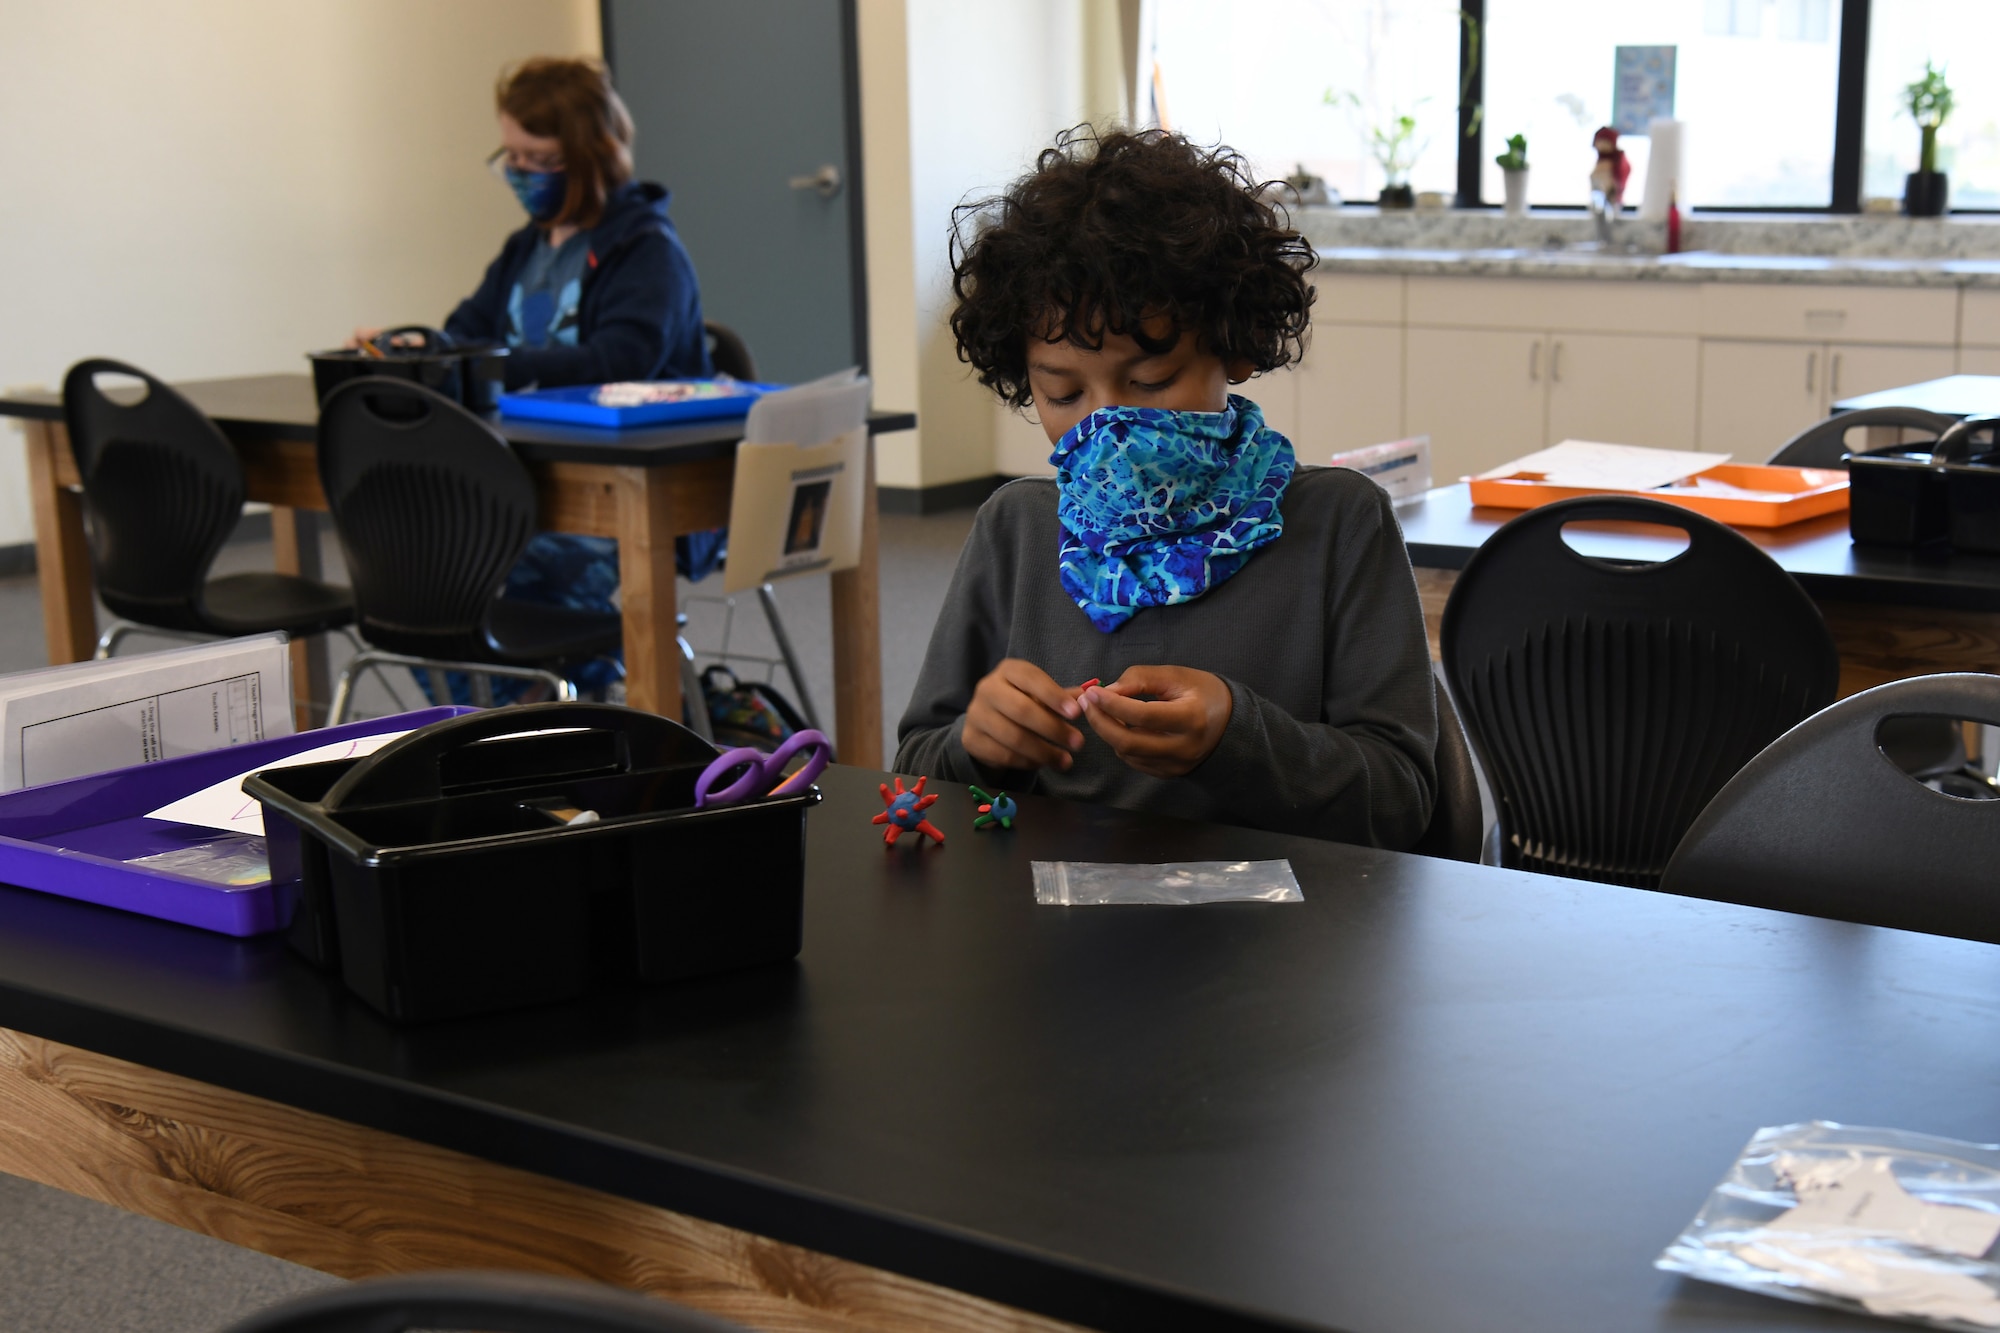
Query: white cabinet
(1487, 395)
(1862, 369)
(1480, 394)
(1757, 395)
(1350, 390)
(1624, 390)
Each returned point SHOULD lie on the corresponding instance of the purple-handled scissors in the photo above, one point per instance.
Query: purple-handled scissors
(763, 774)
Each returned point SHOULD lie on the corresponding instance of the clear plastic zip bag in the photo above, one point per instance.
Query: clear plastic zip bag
(1873, 1221)
(1175, 883)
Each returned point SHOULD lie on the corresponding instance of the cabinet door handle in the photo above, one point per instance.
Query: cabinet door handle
(1556, 363)
(1812, 370)
(1535, 360)
(1833, 383)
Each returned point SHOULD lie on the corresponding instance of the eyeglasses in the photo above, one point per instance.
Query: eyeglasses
(502, 159)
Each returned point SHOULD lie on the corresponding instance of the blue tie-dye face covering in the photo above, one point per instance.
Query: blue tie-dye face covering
(1159, 507)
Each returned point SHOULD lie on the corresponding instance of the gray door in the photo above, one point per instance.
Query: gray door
(739, 107)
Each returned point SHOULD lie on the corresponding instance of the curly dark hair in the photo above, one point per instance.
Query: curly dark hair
(1114, 228)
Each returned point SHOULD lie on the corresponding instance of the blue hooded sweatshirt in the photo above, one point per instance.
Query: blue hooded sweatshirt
(639, 313)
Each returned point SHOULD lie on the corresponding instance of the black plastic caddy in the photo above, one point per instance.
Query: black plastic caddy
(522, 856)
(1924, 494)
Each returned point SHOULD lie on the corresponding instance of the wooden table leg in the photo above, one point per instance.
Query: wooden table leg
(295, 550)
(646, 574)
(62, 554)
(857, 641)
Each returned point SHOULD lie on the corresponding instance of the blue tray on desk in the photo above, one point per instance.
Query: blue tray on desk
(75, 838)
(576, 406)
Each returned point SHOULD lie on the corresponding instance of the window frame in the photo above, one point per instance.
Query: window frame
(1850, 94)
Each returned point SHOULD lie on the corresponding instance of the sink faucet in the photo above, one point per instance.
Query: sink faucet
(1604, 211)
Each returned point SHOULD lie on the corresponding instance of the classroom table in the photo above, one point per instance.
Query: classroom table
(643, 487)
(1430, 1096)
(1893, 613)
(1953, 396)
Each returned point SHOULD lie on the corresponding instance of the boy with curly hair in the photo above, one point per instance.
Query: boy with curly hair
(1256, 624)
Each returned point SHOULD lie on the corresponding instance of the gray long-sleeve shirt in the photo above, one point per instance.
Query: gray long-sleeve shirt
(1319, 637)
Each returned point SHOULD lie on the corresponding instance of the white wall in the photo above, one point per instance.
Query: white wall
(216, 187)
(990, 85)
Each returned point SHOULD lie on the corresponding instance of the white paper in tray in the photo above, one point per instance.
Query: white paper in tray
(1590, 465)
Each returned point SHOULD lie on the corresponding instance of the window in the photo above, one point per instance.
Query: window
(1959, 35)
(1254, 74)
(1755, 81)
(1778, 114)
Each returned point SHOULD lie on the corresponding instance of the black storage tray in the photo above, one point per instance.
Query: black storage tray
(469, 375)
(438, 876)
(1928, 494)
(1896, 497)
(1972, 503)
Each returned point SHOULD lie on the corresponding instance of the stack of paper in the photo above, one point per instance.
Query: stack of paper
(1589, 465)
(63, 722)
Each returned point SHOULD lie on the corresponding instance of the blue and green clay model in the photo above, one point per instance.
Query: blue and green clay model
(999, 808)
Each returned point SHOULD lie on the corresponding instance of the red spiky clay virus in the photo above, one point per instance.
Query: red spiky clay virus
(906, 813)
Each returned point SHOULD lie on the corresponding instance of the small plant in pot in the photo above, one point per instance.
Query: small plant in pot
(1394, 144)
(1514, 172)
(1929, 100)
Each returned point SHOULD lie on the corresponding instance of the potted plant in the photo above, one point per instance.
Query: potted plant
(1394, 145)
(1929, 101)
(1514, 172)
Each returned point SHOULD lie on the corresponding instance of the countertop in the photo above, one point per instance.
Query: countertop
(1868, 250)
(1688, 266)
(1429, 1096)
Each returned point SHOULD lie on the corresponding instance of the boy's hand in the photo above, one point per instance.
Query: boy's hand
(1170, 731)
(1020, 718)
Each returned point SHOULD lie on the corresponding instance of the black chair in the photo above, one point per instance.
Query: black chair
(493, 1302)
(1824, 822)
(1457, 821)
(163, 489)
(728, 353)
(1824, 443)
(1608, 702)
(433, 509)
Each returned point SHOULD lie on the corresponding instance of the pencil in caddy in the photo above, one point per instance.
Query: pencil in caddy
(520, 856)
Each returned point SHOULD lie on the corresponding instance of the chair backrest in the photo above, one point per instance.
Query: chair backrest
(163, 489)
(1457, 822)
(1824, 443)
(433, 508)
(496, 1302)
(1608, 702)
(728, 353)
(1823, 822)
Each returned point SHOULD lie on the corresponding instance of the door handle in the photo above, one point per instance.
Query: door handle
(1535, 360)
(825, 182)
(1556, 363)
(1812, 370)
(1833, 381)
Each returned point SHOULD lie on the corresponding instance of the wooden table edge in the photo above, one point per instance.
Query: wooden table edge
(359, 1202)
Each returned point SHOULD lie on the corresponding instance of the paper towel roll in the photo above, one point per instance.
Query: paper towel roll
(1665, 172)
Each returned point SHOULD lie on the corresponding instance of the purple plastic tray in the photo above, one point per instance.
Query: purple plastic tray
(73, 838)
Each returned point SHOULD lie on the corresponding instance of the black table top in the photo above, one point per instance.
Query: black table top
(1431, 1096)
(1444, 528)
(284, 407)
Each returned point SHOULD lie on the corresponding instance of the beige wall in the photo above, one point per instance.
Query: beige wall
(215, 187)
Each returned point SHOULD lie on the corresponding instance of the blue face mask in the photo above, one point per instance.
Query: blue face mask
(540, 192)
(1159, 507)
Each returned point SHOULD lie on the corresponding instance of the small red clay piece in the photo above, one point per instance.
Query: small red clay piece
(905, 813)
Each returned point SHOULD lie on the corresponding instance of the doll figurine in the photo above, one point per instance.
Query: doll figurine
(1613, 169)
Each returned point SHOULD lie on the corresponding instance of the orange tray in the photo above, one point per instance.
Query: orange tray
(1807, 492)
